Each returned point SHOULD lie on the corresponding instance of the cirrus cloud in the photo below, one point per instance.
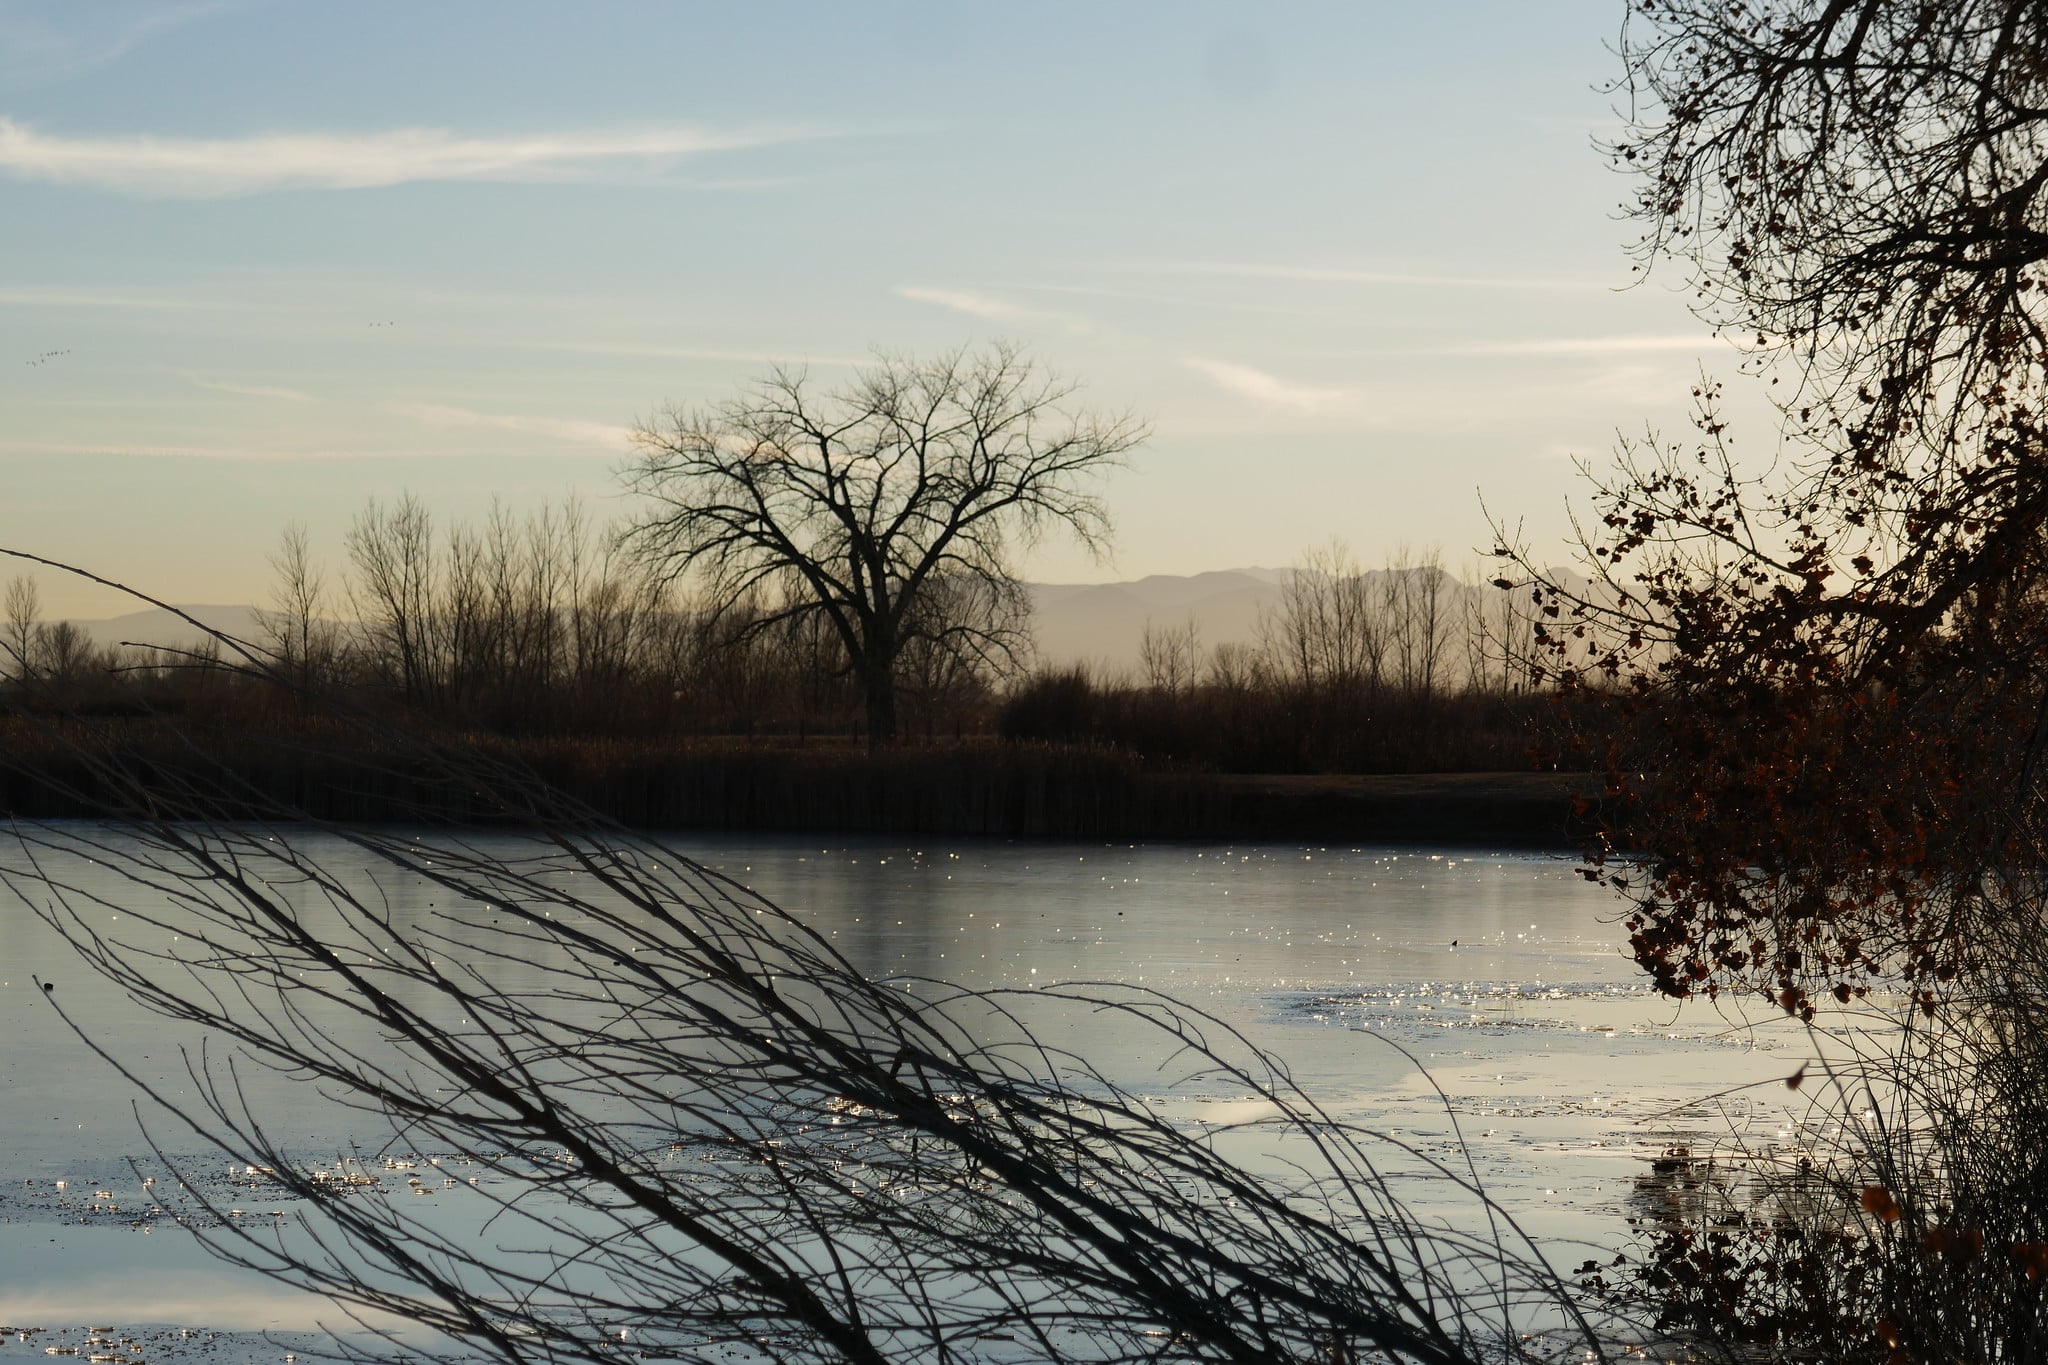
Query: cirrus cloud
(1262, 387)
(1311, 274)
(252, 390)
(72, 39)
(992, 308)
(569, 430)
(221, 167)
(973, 304)
(1701, 342)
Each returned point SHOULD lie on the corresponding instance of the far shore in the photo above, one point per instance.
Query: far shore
(971, 790)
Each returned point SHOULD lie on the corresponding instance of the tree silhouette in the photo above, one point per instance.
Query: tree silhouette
(1839, 657)
(873, 506)
(1829, 790)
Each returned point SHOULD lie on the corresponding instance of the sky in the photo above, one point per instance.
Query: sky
(1358, 264)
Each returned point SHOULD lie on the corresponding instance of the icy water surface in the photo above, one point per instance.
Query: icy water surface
(1438, 995)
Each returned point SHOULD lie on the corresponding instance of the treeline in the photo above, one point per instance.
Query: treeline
(1402, 668)
(523, 626)
(537, 627)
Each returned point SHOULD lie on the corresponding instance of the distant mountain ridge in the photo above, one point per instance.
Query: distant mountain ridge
(1101, 624)
(163, 629)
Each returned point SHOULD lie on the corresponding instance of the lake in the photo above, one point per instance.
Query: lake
(1440, 995)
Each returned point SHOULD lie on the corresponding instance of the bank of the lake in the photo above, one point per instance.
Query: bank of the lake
(985, 790)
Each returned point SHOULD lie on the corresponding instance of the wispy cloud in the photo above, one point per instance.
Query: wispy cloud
(34, 52)
(1336, 275)
(72, 298)
(250, 454)
(143, 448)
(214, 167)
(240, 390)
(254, 390)
(973, 304)
(795, 359)
(994, 308)
(1262, 387)
(561, 429)
(1615, 345)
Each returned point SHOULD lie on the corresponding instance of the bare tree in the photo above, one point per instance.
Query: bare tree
(1414, 603)
(855, 503)
(293, 628)
(610, 598)
(1237, 668)
(461, 614)
(53, 651)
(1500, 637)
(65, 653)
(932, 674)
(24, 611)
(1171, 656)
(520, 607)
(394, 589)
(1856, 186)
(1329, 629)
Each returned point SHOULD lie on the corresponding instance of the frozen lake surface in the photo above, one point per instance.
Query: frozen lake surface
(1439, 995)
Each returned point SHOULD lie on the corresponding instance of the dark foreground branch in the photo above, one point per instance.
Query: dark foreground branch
(700, 1129)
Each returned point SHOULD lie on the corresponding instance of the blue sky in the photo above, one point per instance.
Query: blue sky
(1355, 262)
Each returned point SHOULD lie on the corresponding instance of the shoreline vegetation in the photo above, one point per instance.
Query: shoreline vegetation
(976, 789)
(1397, 704)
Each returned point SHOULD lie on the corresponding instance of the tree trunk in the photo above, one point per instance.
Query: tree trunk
(881, 690)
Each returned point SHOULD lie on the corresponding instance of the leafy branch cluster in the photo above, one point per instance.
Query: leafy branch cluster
(1835, 661)
(1835, 669)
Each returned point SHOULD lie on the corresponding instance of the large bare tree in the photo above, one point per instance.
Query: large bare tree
(912, 486)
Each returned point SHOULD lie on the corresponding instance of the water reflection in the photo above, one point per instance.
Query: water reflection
(1379, 975)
